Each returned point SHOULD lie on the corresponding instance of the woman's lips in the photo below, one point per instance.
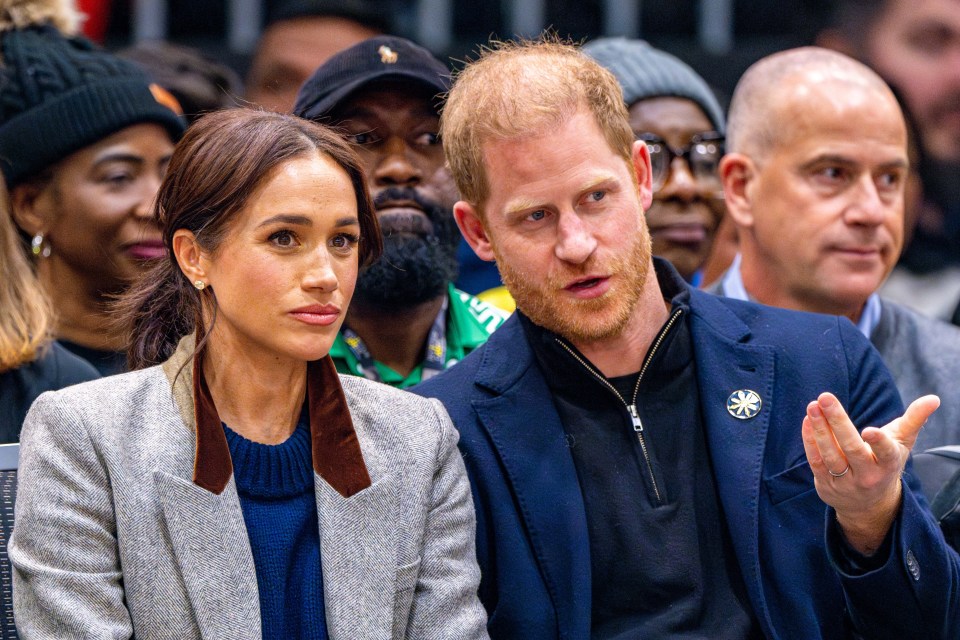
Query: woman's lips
(317, 315)
(147, 250)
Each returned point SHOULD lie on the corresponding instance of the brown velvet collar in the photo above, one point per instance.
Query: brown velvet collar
(337, 457)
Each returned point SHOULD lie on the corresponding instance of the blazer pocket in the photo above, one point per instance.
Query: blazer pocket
(403, 600)
(789, 484)
(407, 576)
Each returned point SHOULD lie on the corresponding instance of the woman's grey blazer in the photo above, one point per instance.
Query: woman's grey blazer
(113, 538)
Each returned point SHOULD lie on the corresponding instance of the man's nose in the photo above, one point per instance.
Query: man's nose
(396, 165)
(681, 183)
(575, 241)
(870, 207)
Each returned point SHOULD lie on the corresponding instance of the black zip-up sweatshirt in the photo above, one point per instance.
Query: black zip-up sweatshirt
(661, 558)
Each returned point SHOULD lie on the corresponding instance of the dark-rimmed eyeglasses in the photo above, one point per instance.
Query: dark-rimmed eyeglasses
(702, 155)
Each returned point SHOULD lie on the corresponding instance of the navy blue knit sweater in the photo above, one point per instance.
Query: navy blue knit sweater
(275, 483)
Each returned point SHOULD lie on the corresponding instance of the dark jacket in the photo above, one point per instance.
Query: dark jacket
(923, 355)
(54, 369)
(532, 541)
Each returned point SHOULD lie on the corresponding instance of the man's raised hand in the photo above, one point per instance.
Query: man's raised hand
(858, 473)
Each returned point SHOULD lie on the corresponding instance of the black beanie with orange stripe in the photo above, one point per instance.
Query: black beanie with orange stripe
(60, 93)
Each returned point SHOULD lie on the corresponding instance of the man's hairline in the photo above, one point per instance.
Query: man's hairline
(714, 128)
(861, 36)
(581, 106)
(760, 151)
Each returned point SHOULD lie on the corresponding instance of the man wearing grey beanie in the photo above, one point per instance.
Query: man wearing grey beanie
(675, 112)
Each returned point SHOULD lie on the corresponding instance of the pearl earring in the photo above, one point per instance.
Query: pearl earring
(200, 285)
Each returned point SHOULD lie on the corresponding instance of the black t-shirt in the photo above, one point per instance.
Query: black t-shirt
(108, 363)
(661, 558)
(54, 369)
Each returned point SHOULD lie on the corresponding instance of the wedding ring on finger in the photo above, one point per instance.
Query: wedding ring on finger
(841, 474)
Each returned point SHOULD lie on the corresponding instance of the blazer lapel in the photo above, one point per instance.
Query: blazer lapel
(358, 556)
(526, 431)
(212, 550)
(203, 516)
(726, 364)
(210, 537)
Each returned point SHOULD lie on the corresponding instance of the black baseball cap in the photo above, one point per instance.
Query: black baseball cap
(375, 59)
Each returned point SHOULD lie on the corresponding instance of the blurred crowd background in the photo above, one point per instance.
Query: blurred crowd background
(719, 38)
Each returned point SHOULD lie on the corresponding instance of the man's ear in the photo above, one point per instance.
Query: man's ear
(641, 167)
(737, 172)
(30, 207)
(190, 256)
(472, 229)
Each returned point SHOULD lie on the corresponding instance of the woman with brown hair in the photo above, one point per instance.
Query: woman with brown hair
(29, 363)
(242, 489)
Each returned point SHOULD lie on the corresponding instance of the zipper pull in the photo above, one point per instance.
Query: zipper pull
(637, 425)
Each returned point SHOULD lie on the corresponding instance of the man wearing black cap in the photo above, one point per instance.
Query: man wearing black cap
(406, 322)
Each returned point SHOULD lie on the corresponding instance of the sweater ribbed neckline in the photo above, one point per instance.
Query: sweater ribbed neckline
(273, 471)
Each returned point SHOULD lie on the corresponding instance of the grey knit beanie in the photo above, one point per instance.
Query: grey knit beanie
(645, 72)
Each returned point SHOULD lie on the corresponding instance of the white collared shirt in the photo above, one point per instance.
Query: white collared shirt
(732, 287)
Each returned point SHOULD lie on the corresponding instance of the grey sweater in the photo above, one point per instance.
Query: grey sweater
(923, 355)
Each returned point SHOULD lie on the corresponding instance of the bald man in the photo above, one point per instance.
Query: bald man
(814, 181)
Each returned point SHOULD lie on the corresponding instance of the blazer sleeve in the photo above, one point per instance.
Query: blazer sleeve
(914, 593)
(67, 580)
(445, 603)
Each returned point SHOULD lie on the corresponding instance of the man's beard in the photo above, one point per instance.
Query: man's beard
(417, 262)
(583, 321)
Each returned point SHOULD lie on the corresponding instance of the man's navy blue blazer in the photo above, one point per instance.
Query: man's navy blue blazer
(532, 541)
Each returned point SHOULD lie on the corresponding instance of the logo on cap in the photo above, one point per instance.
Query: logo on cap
(387, 55)
(166, 98)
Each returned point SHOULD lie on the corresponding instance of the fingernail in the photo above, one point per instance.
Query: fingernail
(827, 401)
(814, 411)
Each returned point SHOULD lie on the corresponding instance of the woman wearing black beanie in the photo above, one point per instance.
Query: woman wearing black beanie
(84, 142)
